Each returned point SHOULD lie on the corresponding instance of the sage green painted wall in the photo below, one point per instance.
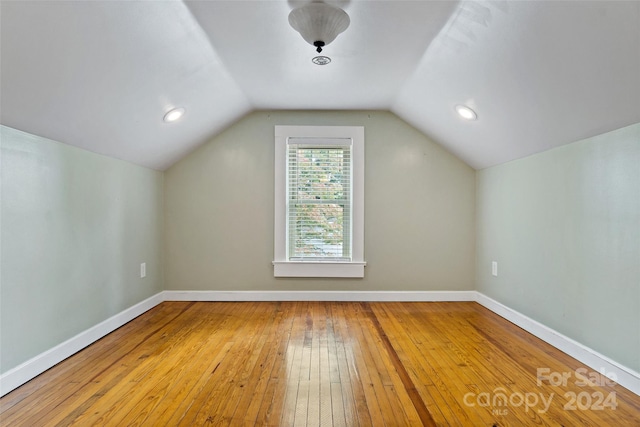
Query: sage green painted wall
(75, 228)
(419, 210)
(564, 227)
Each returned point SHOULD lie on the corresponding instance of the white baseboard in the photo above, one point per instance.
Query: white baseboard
(19, 375)
(400, 296)
(30, 369)
(624, 376)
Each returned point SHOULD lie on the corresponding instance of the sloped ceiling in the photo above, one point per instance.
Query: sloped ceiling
(101, 74)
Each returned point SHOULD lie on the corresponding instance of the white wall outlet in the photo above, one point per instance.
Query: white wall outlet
(494, 268)
(143, 270)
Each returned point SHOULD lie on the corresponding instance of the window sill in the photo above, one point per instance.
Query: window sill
(352, 270)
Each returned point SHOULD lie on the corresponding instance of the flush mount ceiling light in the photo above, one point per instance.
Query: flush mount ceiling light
(318, 23)
(466, 112)
(173, 114)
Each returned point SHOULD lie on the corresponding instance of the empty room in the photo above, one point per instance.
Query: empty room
(319, 213)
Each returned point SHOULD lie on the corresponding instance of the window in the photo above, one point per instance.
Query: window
(319, 199)
(319, 206)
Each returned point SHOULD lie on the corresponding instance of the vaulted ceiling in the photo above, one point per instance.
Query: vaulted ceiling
(101, 74)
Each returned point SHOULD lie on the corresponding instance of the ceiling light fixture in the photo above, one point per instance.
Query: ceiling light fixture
(173, 114)
(318, 23)
(321, 60)
(466, 112)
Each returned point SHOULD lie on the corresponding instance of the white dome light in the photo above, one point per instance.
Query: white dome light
(173, 114)
(318, 23)
(466, 112)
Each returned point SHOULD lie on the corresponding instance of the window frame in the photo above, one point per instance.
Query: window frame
(282, 265)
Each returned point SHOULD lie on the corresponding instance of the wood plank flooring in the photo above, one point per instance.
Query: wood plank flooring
(319, 364)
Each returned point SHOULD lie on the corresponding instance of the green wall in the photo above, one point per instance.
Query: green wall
(564, 227)
(75, 227)
(419, 210)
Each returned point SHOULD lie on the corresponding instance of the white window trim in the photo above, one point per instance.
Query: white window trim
(282, 267)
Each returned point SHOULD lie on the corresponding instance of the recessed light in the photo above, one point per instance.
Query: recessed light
(321, 60)
(466, 112)
(173, 114)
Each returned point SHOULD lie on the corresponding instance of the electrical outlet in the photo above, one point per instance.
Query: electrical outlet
(143, 270)
(494, 268)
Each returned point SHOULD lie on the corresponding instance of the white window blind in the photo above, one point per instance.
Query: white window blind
(319, 199)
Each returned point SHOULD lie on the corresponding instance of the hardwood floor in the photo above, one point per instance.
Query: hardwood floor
(320, 364)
